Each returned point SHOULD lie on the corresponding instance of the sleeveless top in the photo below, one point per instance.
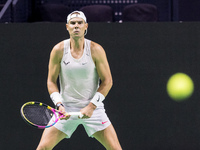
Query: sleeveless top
(78, 78)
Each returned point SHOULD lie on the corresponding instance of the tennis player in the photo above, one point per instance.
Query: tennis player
(79, 63)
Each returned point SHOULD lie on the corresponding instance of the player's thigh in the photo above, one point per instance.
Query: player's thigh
(108, 138)
(51, 137)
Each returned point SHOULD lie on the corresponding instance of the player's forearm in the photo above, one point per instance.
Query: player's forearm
(105, 87)
(52, 87)
(101, 93)
(54, 93)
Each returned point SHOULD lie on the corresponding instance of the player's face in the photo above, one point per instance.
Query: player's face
(76, 27)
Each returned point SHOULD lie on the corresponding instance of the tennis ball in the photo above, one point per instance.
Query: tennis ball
(180, 87)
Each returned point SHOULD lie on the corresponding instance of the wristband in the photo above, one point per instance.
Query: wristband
(58, 105)
(56, 97)
(97, 99)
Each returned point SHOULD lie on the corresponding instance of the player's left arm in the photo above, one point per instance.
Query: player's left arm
(103, 70)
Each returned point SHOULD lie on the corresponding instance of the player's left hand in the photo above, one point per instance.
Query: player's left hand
(88, 111)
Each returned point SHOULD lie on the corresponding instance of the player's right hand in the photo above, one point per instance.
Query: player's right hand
(65, 114)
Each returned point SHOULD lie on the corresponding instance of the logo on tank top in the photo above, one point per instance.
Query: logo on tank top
(66, 63)
(84, 63)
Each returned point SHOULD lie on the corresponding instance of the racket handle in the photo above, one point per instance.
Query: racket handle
(78, 114)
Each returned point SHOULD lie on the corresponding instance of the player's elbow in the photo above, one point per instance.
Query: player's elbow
(110, 83)
(49, 83)
(51, 86)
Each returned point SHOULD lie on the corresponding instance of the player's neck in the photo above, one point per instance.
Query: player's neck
(77, 44)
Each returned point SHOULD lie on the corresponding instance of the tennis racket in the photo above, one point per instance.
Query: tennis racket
(39, 115)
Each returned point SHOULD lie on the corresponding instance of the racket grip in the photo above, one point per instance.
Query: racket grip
(78, 114)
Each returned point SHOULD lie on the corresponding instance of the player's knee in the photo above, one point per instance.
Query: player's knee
(43, 147)
(116, 148)
(113, 147)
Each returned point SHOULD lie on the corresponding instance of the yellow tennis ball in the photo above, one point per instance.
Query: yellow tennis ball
(180, 86)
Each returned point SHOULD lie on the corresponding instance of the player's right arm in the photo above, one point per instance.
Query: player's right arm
(54, 70)
(54, 67)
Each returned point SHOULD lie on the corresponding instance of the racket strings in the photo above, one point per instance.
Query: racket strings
(38, 115)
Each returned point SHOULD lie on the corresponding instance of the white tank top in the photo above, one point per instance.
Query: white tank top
(79, 79)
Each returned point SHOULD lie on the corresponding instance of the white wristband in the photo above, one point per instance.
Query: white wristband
(97, 99)
(56, 97)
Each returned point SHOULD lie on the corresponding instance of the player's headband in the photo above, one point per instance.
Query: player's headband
(75, 14)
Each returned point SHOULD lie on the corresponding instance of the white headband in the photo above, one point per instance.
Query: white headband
(75, 14)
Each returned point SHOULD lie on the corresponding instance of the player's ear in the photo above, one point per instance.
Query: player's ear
(87, 25)
(66, 26)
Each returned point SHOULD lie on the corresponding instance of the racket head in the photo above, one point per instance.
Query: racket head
(38, 114)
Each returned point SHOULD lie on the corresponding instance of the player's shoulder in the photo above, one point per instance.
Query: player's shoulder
(96, 48)
(59, 46)
(57, 50)
(97, 51)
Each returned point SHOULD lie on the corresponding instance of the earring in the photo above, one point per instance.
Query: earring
(85, 32)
